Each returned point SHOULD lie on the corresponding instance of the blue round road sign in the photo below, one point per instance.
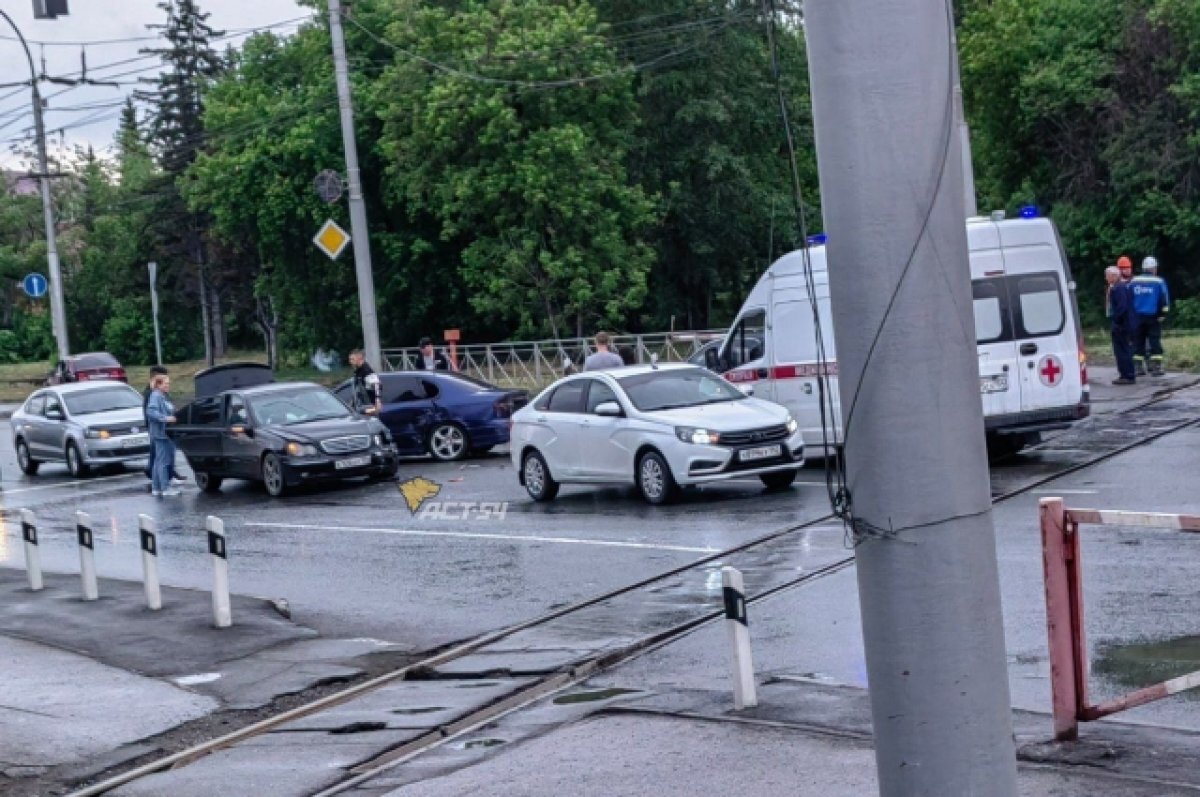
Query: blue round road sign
(35, 285)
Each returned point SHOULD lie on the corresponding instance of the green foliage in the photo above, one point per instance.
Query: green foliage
(1185, 313)
(525, 174)
(1088, 108)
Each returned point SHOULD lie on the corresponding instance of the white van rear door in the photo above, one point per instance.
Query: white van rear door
(1000, 381)
(1045, 340)
(796, 375)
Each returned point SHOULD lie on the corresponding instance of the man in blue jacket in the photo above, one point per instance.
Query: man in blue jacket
(1151, 303)
(1120, 316)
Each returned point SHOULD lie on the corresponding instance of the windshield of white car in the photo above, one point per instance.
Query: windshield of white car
(677, 388)
(106, 400)
(300, 406)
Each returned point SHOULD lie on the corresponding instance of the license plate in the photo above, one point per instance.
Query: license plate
(993, 384)
(762, 452)
(352, 462)
(136, 441)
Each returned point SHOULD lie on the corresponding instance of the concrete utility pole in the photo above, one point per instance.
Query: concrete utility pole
(358, 211)
(888, 152)
(58, 314)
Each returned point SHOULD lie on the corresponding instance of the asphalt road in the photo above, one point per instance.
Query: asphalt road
(353, 560)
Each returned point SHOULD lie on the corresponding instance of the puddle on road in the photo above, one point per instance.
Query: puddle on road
(1147, 663)
(474, 743)
(422, 710)
(593, 696)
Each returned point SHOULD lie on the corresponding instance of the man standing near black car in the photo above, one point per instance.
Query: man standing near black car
(429, 360)
(155, 370)
(366, 381)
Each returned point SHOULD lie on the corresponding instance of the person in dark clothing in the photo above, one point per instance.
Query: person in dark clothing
(429, 360)
(366, 382)
(176, 478)
(1121, 320)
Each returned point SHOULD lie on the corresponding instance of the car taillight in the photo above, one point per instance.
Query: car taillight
(503, 409)
(81, 377)
(1083, 377)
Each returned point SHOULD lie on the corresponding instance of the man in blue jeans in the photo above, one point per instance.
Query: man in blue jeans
(160, 413)
(156, 370)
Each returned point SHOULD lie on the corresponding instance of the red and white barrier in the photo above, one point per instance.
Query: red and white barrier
(1061, 559)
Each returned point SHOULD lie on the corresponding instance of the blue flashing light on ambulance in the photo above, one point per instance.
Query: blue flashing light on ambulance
(1032, 363)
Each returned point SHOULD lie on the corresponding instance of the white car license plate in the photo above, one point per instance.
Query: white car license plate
(762, 452)
(352, 462)
(993, 384)
(136, 440)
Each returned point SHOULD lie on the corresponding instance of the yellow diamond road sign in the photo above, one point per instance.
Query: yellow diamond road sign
(331, 239)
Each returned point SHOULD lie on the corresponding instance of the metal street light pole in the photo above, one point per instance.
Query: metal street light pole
(359, 233)
(58, 315)
(153, 267)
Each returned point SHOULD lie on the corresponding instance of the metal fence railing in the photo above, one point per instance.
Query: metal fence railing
(535, 364)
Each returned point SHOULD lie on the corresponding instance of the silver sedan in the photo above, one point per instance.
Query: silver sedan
(83, 425)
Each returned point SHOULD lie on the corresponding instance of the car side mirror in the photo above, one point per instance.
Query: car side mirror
(241, 429)
(747, 389)
(608, 409)
(55, 415)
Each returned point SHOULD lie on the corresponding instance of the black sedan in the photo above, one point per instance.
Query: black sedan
(284, 435)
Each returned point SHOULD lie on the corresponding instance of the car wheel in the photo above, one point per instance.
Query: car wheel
(538, 482)
(75, 464)
(207, 482)
(28, 464)
(779, 480)
(272, 475)
(448, 442)
(654, 479)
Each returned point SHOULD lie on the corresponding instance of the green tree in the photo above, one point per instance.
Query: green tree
(520, 156)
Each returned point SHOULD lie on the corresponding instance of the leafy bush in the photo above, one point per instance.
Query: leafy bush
(1185, 313)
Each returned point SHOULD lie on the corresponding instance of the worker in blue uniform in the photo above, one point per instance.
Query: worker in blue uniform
(1151, 303)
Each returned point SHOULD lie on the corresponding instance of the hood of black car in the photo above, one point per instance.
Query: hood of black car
(316, 431)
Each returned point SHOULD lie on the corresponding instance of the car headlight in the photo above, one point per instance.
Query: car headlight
(791, 424)
(381, 440)
(98, 434)
(302, 450)
(700, 437)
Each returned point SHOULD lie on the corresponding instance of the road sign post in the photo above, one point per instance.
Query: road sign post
(358, 208)
(153, 267)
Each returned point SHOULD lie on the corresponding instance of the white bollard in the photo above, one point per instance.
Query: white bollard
(146, 528)
(744, 694)
(222, 613)
(33, 556)
(87, 556)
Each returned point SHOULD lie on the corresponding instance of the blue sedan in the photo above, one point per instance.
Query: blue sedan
(445, 415)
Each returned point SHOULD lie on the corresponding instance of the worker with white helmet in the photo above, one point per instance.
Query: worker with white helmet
(1151, 303)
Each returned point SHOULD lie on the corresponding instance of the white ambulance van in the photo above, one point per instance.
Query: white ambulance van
(1032, 365)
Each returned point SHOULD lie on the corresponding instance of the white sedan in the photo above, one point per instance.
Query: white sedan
(654, 426)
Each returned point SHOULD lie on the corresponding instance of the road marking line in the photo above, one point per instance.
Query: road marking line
(481, 536)
(64, 485)
(1065, 492)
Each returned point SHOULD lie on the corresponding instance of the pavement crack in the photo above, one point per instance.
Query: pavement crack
(29, 711)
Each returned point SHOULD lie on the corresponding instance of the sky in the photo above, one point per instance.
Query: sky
(88, 114)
